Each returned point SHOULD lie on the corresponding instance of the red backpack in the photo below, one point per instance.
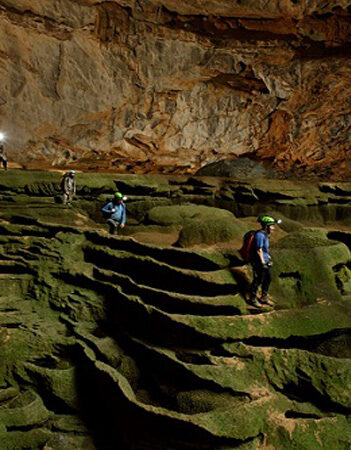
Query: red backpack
(248, 246)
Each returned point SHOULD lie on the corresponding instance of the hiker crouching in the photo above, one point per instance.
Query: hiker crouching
(115, 212)
(261, 262)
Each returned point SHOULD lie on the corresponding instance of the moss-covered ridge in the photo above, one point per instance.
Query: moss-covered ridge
(109, 342)
(315, 203)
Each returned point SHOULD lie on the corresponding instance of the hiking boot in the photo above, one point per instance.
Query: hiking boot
(254, 302)
(266, 300)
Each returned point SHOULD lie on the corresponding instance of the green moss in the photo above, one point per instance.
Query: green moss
(308, 321)
(190, 382)
(8, 393)
(28, 180)
(21, 440)
(180, 214)
(211, 231)
(343, 279)
(60, 383)
(217, 257)
(64, 441)
(27, 409)
(200, 401)
(70, 423)
(303, 268)
(130, 371)
(130, 230)
(51, 214)
(306, 434)
(325, 375)
(138, 209)
(142, 184)
(47, 183)
(306, 239)
(242, 421)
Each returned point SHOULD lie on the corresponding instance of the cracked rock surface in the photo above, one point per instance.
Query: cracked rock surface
(170, 85)
(131, 342)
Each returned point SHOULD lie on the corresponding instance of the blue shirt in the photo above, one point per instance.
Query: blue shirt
(262, 241)
(119, 215)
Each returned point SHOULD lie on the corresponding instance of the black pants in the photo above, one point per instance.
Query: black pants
(3, 159)
(261, 277)
(113, 226)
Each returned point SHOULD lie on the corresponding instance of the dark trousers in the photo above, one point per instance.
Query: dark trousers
(3, 159)
(261, 277)
(113, 226)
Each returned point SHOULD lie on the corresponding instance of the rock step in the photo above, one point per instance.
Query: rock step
(24, 410)
(173, 303)
(202, 428)
(8, 393)
(36, 438)
(200, 369)
(183, 259)
(149, 272)
(24, 230)
(9, 267)
(130, 315)
(59, 383)
(230, 416)
(310, 320)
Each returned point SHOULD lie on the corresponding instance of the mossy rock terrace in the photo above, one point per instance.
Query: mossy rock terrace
(134, 342)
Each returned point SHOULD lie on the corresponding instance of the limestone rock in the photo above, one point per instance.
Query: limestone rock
(170, 215)
(171, 86)
(240, 168)
(113, 342)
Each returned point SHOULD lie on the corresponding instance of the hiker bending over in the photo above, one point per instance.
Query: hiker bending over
(3, 157)
(68, 186)
(261, 262)
(115, 212)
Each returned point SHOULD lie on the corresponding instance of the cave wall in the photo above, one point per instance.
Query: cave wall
(171, 85)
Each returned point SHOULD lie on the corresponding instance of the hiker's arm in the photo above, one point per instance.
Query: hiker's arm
(107, 208)
(259, 240)
(124, 217)
(260, 255)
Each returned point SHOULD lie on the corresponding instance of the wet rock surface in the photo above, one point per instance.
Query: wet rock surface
(171, 86)
(120, 342)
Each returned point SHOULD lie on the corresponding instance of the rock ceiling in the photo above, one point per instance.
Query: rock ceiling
(172, 85)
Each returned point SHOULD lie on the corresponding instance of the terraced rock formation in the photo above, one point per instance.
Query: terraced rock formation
(170, 85)
(114, 342)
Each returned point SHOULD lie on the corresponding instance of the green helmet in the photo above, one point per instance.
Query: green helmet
(118, 196)
(268, 220)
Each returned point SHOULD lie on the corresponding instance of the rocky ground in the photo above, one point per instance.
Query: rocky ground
(145, 340)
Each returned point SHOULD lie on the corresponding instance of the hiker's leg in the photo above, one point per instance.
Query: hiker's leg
(266, 281)
(112, 225)
(257, 279)
(116, 228)
(4, 162)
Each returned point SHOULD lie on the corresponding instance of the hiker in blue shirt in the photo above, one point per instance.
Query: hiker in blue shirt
(261, 262)
(115, 212)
